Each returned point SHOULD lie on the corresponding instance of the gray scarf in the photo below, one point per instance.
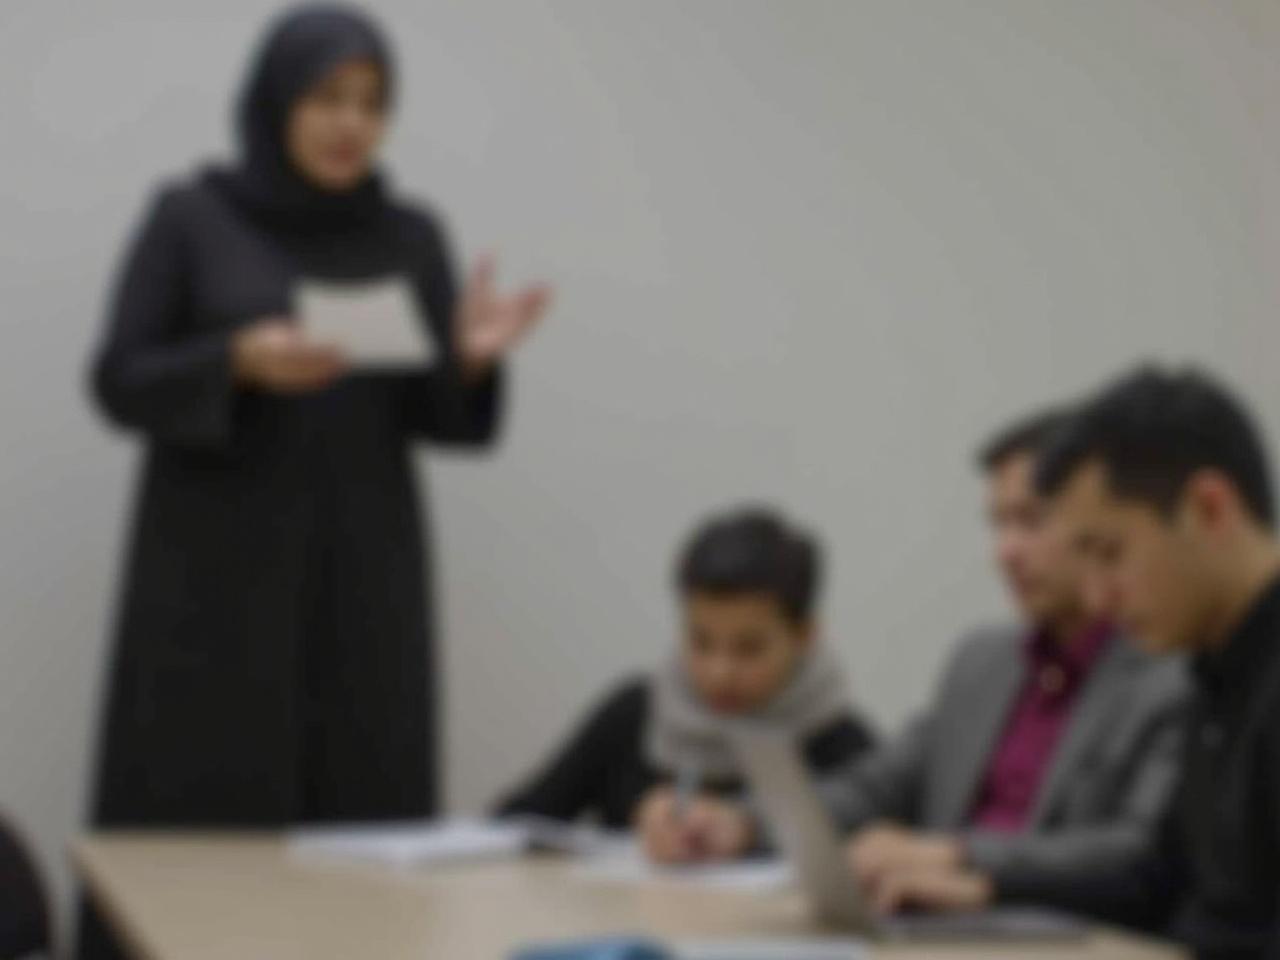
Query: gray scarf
(683, 734)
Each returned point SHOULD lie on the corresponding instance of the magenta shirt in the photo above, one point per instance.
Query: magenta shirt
(1055, 673)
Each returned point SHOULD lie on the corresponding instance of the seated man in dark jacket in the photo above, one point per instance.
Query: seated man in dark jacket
(1164, 484)
(1165, 480)
(747, 583)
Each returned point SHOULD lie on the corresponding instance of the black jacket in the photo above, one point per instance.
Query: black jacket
(603, 771)
(272, 655)
(24, 907)
(273, 649)
(1212, 879)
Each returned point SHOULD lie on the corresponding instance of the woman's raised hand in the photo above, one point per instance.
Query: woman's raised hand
(488, 325)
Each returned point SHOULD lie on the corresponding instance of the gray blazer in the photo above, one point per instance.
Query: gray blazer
(1098, 803)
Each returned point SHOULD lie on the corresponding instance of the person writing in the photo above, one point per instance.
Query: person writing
(655, 753)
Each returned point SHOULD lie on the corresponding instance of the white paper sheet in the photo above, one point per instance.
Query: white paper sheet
(583, 840)
(445, 840)
(601, 856)
(410, 844)
(375, 323)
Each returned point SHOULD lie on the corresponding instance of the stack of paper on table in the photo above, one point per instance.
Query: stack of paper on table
(407, 844)
(603, 855)
(442, 841)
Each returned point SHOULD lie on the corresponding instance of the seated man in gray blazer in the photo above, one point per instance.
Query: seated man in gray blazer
(1050, 747)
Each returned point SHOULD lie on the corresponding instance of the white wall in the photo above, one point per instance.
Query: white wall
(807, 252)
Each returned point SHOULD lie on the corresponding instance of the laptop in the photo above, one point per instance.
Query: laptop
(809, 839)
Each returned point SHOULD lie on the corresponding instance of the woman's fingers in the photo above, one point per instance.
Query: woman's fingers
(301, 366)
(277, 354)
(478, 293)
(488, 326)
(508, 320)
(485, 271)
(534, 301)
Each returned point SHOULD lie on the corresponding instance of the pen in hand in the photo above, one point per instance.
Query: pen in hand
(688, 780)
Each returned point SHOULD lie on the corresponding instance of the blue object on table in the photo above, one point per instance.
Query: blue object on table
(616, 948)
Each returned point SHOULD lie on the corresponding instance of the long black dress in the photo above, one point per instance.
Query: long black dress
(273, 653)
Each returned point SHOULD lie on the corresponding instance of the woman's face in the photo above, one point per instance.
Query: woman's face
(739, 649)
(336, 127)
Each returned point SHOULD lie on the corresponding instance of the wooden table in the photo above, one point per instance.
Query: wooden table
(237, 897)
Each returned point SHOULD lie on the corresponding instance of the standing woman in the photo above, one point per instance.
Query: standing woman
(273, 655)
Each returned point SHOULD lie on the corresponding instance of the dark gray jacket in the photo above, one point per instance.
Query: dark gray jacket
(1106, 787)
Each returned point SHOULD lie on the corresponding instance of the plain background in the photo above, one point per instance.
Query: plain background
(807, 252)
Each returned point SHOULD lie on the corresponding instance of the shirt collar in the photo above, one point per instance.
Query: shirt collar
(1077, 656)
(1233, 667)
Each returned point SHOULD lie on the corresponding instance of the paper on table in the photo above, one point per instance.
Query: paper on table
(603, 855)
(835, 948)
(406, 844)
(577, 839)
(629, 865)
(376, 323)
(428, 841)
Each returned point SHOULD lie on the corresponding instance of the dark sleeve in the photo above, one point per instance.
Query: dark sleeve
(24, 906)
(569, 784)
(438, 404)
(153, 372)
(1028, 865)
(840, 742)
(1142, 892)
(1272, 766)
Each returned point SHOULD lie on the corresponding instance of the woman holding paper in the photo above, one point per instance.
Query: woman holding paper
(273, 650)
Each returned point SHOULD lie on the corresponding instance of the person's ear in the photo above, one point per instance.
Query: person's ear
(804, 633)
(1211, 500)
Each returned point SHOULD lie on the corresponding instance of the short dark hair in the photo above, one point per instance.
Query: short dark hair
(1152, 429)
(1030, 434)
(753, 550)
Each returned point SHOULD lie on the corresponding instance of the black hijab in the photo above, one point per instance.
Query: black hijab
(299, 49)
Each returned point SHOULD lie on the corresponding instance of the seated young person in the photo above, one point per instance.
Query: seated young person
(747, 583)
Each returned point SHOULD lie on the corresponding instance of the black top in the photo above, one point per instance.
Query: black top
(24, 908)
(273, 648)
(602, 771)
(1213, 877)
(273, 657)
(1228, 811)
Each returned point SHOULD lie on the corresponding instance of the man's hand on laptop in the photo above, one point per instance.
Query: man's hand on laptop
(953, 889)
(886, 848)
(707, 829)
(900, 869)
